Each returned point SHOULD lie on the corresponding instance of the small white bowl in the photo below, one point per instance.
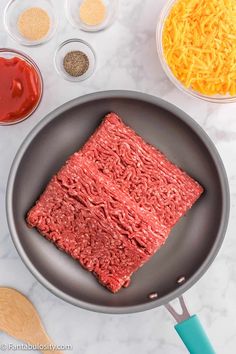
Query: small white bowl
(15, 8)
(74, 45)
(72, 12)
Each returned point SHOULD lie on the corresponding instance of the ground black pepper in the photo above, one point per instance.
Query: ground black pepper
(76, 63)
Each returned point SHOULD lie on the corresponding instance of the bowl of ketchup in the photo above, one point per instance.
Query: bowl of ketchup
(21, 86)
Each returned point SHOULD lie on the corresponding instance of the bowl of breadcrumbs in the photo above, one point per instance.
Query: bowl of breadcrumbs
(30, 22)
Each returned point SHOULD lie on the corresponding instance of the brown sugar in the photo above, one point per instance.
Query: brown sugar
(92, 12)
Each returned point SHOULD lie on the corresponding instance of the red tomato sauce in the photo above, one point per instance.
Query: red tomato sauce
(20, 89)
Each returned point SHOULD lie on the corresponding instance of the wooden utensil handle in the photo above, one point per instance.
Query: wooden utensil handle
(19, 319)
(43, 339)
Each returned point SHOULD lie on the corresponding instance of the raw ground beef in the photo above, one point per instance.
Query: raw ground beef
(141, 171)
(113, 204)
(85, 215)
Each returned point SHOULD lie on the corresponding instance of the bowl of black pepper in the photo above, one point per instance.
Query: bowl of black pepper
(75, 60)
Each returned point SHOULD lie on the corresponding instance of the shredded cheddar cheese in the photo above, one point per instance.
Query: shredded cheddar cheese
(199, 44)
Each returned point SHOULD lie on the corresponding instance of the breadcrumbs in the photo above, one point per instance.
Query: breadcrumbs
(34, 23)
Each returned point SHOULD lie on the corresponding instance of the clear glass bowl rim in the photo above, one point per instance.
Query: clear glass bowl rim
(159, 31)
(28, 59)
(86, 28)
(63, 44)
(26, 42)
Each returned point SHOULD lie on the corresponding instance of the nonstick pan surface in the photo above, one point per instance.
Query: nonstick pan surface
(194, 241)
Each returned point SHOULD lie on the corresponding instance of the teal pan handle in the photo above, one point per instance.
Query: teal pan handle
(194, 337)
(190, 330)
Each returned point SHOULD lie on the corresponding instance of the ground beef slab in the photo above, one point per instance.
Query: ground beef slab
(84, 214)
(113, 204)
(142, 171)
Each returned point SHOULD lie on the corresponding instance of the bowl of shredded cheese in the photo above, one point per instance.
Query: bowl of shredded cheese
(196, 42)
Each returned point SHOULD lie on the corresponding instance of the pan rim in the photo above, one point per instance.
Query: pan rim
(187, 120)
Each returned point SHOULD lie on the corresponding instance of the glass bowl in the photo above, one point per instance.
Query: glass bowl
(11, 53)
(15, 8)
(72, 12)
(74, 45)
(159, 32)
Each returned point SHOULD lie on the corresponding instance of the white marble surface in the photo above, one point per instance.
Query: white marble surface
(127, 59)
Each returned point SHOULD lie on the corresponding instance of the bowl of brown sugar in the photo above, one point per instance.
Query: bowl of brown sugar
(30, 22)
(91, 15)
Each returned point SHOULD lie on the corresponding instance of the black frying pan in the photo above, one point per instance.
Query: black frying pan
(193, 243)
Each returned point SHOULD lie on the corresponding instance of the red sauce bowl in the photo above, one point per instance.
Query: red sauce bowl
(21, 86)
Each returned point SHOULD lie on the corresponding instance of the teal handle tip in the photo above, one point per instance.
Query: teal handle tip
(194, 337)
